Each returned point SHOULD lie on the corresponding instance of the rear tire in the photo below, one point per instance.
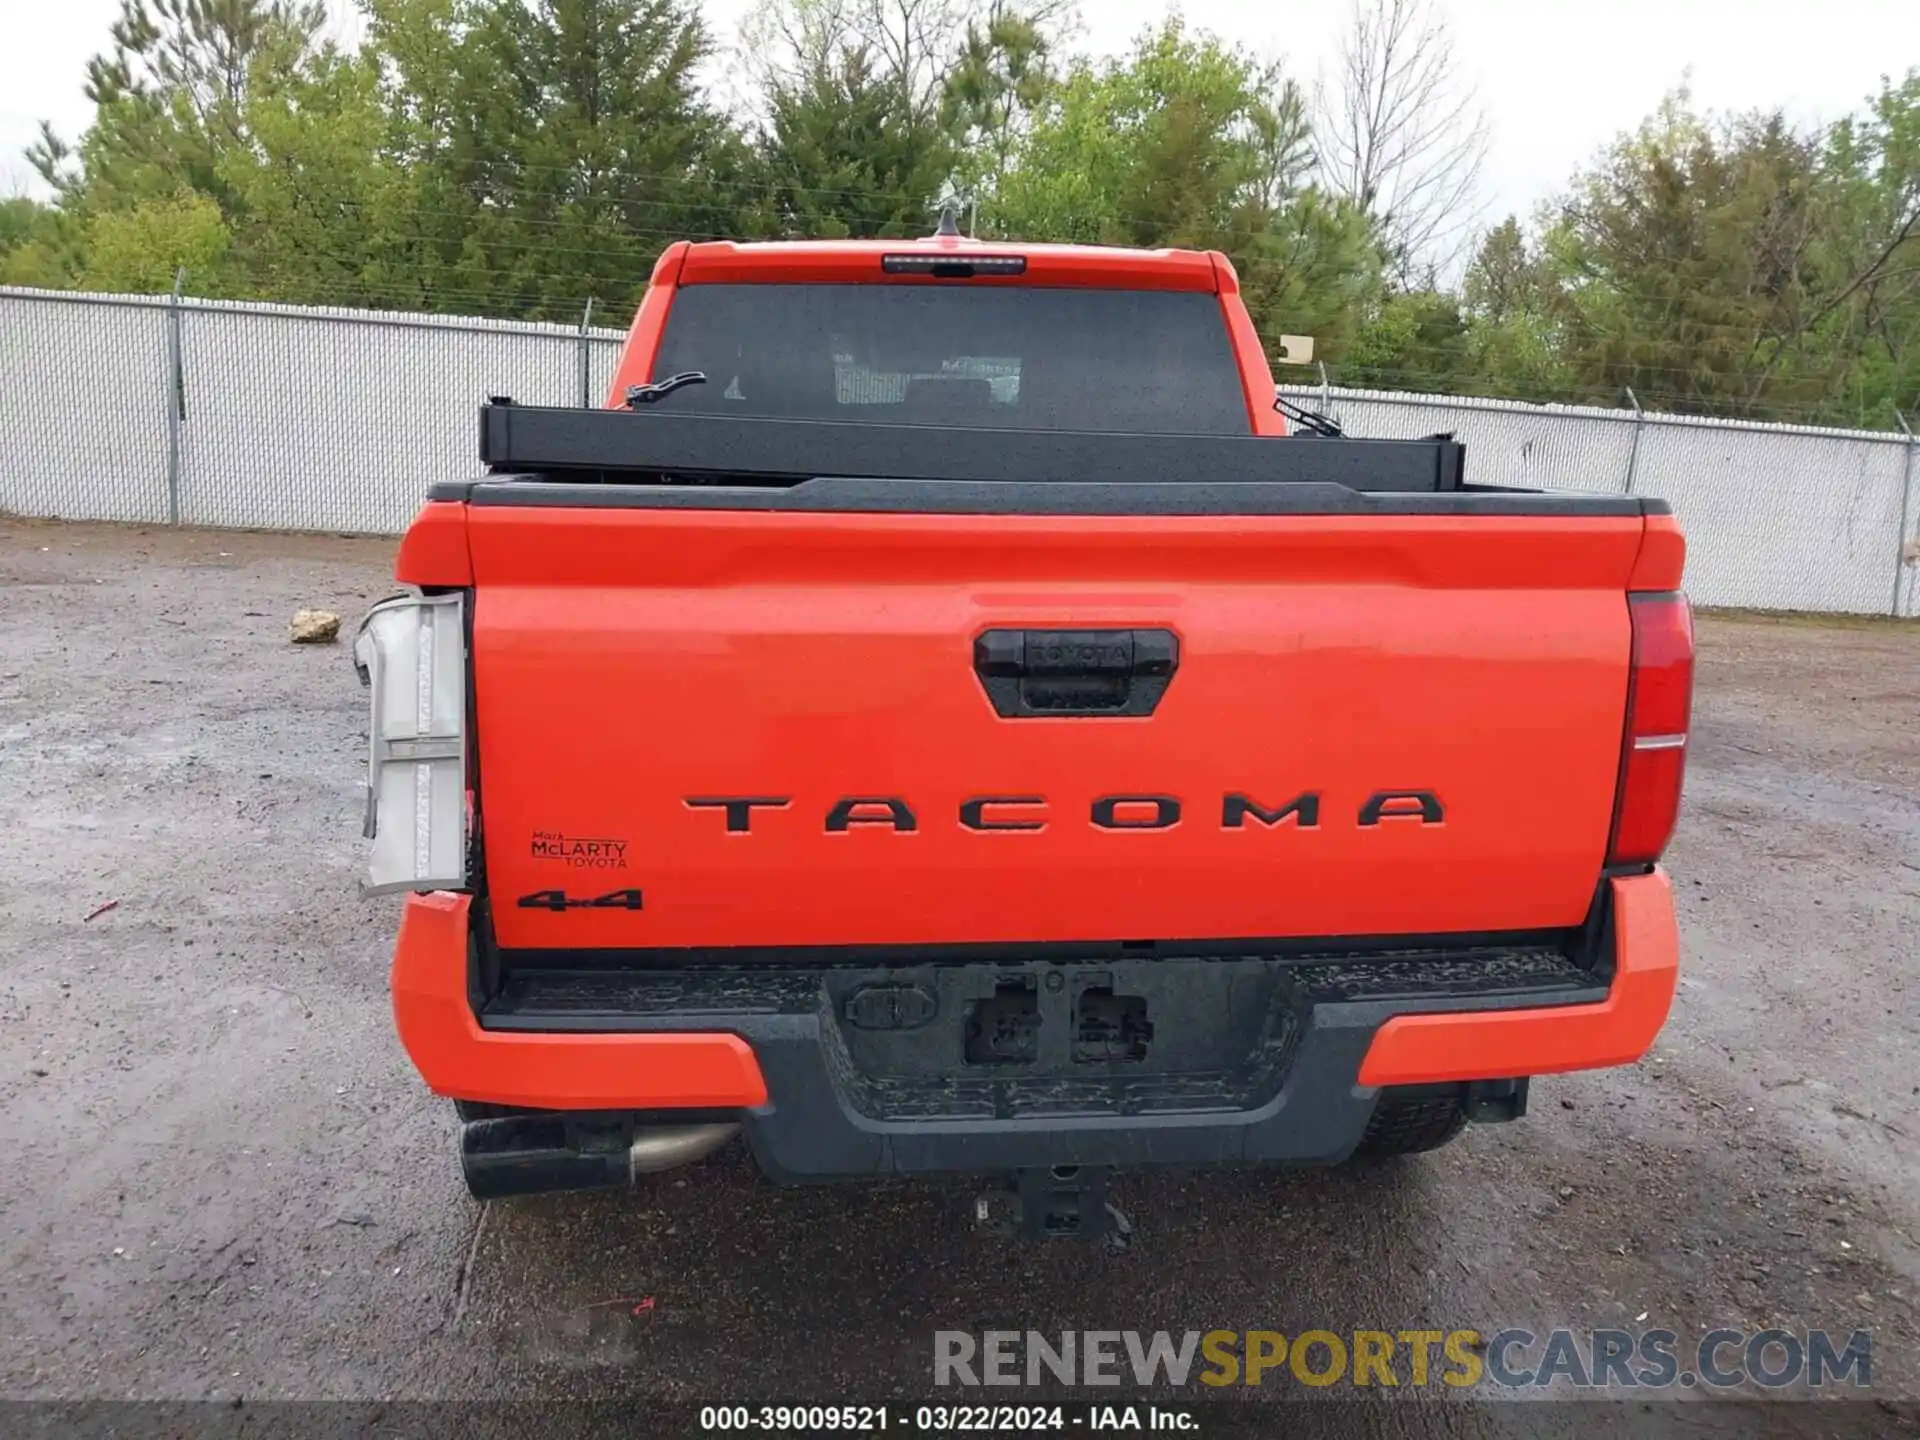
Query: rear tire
(1408, 1127)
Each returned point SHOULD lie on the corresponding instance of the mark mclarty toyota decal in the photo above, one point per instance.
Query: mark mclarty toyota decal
(1513, 1358)
(580, 851)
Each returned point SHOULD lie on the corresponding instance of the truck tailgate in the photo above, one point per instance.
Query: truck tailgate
(740, 729)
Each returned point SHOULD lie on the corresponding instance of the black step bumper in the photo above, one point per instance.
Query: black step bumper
(1002, 1064)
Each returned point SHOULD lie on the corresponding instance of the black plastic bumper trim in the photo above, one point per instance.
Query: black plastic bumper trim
(1288, 1097)
(817, 957)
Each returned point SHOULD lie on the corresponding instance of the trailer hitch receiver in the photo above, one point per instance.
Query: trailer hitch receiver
(1064, 1202)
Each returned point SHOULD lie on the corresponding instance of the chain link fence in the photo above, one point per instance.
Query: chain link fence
(1778, 517)
(206, 412)
(277, 417)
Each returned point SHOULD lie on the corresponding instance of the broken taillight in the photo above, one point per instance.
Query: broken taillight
(411, 652)
(1653, 762)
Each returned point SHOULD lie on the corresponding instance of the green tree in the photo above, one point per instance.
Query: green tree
(20, 220)
(550, 149)
(138, 249)
(845, 153)
(920, 46)
(147, 188)
(1411, 340)
(169, 98)
(1873, 164)
(874, 109)
(1001, 76)
(23, 221)
(1736, 265)
(1147, 148)
(36, 244)
(439, 83)
(1689, 254)
(320, 211)
(1183, 142)
(1509, 298)
(605, 121)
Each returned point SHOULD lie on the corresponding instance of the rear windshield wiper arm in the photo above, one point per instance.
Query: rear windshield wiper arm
(638, 395)
(1312, 421)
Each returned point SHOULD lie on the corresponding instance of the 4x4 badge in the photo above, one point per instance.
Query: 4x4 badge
(560, 900)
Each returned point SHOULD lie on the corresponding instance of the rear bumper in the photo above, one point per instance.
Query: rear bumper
(772, 1049)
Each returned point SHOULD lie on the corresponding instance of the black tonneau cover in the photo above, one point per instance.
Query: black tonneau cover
(657, 446)
(558, 490)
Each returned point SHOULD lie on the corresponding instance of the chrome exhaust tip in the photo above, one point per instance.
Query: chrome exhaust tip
(667, 1147)
(540, 1153)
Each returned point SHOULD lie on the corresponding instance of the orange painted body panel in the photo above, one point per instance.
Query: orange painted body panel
(1422, 1049)
(1663, 556)
(562, 1072)
(434, 549)
(728, 262)
(626, 660)
(1256, 376)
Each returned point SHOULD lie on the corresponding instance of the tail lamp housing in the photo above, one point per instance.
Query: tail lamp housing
(1653, 759)
(411, 654)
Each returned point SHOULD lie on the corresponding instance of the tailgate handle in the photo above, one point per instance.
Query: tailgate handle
(1075, 672)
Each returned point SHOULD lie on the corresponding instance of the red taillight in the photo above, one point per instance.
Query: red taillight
(1659, 704)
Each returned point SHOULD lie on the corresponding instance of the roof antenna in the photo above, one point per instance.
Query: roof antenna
(949, 221)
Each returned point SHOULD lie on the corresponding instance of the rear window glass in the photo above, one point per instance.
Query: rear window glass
(1141, 361)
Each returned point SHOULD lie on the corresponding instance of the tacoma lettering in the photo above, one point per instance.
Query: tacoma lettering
(1421, 805)
(739, 808)
(1108, 813)
(1236, 809)
(1026, 813)
(861, 811)
(973, 813)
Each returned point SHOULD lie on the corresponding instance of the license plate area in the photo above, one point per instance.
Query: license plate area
(1064, 1020)
(1060, 1038)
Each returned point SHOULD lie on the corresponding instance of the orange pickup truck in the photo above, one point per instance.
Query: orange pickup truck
(940, 716)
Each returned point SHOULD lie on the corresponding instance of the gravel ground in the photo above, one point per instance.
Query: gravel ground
(226, 1181)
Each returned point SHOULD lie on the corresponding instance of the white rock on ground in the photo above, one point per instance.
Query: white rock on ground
(314, 627)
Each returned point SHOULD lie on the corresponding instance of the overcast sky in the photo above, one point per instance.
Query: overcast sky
(1558, 78)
